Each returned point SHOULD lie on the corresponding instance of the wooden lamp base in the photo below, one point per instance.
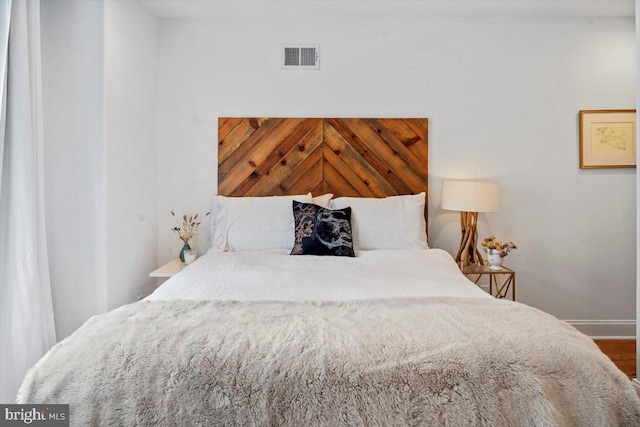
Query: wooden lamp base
(468, 252)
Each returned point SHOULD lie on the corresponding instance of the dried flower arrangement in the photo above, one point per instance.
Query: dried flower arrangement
(492, 245)
(188, 228)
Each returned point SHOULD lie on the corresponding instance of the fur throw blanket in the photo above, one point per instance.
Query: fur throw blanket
(427, 362)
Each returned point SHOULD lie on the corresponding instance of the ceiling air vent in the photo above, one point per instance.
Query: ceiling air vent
(300, 56)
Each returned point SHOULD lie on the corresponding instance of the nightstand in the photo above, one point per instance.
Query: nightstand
(169, 269)
(500, 281)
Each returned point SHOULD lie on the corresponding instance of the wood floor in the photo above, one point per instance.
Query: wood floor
(622, 352)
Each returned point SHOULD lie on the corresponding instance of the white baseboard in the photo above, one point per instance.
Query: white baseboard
(600, 329)
(606, 329)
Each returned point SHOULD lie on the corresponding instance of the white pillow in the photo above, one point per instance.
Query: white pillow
(324, 200)
(395, 222)
(254, 223)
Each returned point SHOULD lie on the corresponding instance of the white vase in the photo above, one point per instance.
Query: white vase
(495, 260)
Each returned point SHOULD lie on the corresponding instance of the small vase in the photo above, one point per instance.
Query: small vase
(495, 260)
(184, 248)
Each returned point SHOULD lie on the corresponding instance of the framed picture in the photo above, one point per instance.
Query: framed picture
(607, 139)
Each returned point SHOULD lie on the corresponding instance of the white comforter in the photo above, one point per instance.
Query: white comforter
(276, 275)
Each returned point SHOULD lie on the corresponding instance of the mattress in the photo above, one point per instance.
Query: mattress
(276, 275)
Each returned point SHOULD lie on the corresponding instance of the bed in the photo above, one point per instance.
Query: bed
(251, 335)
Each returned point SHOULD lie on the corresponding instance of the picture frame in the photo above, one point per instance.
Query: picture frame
(607, 139)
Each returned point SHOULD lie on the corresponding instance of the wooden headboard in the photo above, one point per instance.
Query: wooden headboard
(346, 157)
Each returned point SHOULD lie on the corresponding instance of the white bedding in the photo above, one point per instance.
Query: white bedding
(382, 360)
(276, 275)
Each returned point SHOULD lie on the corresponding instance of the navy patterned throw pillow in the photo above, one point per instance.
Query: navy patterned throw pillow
(321, 231)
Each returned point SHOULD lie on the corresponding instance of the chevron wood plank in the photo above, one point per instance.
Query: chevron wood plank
(314, 158)
(343, 140)
(263, 157)
(281, 170)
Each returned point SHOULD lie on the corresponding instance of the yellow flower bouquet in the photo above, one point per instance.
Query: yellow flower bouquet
(492, 245)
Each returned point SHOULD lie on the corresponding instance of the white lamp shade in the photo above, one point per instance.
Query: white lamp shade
(469, 196)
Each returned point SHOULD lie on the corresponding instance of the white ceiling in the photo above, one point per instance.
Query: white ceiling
(364, 8)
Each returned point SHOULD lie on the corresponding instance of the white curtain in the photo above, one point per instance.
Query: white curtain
(26, 312)
(5, 15)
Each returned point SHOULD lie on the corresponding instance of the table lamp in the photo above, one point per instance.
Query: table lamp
(469, 198)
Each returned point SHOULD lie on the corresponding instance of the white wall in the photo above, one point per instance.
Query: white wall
(73, 108)
(131, 171)
(100, 154)
(502, 96)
